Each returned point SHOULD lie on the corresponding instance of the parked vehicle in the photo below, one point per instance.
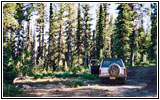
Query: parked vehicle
(110, 69)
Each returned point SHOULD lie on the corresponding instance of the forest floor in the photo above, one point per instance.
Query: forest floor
(141, 82)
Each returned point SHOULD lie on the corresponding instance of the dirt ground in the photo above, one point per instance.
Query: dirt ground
(141, 82)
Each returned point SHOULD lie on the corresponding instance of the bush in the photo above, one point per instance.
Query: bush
(46, 74)
(12, 91)
(64, 75)
(38, 76)
(77, 83)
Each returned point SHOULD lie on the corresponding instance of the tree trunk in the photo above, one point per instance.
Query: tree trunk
(132, 59)
(59, 45)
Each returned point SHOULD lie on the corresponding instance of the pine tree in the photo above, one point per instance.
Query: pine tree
(9, 26)
(123, 30)
(60, 44)
(20, 37)
(87, 32)
(111, 28)
(100, 32)
(79, 34)
(107, 34)
(40, 26)
(53, 27)
(153, 47)
(70, 26)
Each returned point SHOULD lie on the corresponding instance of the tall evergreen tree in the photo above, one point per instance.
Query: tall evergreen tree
(153, 47)
(53, 27)
(40, 26)
(20, 36)
(111, 28)
(122, 32)
(107, 34)
(60, 47)
(9, 26)
(79, 34)
(87, 31)
(70, 26)
(100, 32)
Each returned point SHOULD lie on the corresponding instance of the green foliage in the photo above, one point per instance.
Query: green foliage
(12, 91)
(38, 76)
(122, 32)
(87, 32)
(153, 46)
(100, 31)
(46, 74)
(77, 83)
(9, 69)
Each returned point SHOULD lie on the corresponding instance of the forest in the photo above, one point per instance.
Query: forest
(61, 38)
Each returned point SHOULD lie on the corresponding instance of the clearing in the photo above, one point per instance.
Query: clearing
(141, 82)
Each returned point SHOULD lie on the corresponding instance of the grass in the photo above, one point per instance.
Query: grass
(12, 91)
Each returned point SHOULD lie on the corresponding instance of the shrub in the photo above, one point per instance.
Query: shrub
(46, 74)
(63, 75)
(38, 76)
(77, 83)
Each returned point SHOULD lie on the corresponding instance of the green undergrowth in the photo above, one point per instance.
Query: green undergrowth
(12, 91)
(83, 75)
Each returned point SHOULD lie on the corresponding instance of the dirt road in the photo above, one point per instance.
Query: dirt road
(141, 82)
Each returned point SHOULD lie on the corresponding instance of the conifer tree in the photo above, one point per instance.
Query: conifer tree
(79, 34)
(60, 43)
(70, 26)
(122, 32)
(153, 47)
(87, 32)
(40, 27)
(9, 26)
(100, 31)
(53, 27)
(107, 34)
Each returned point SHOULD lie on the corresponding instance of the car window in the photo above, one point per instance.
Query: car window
(106, 63)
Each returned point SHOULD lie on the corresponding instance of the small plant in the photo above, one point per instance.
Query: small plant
(77, 83)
